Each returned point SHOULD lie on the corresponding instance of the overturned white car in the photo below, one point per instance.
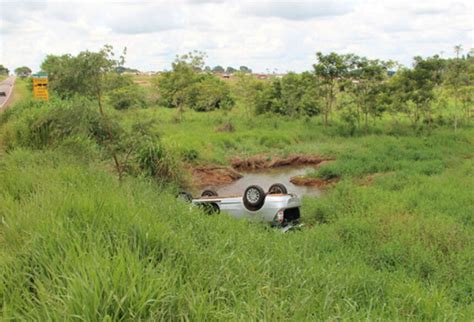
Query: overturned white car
(277, 206)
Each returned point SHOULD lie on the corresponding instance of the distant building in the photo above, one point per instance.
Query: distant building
(224, 75)
(261, 76)
(267, 76)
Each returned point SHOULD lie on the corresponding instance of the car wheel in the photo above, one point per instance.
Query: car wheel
(209, 193)
(277, 188)
(210, 208)
(254, 198)
(185, 196)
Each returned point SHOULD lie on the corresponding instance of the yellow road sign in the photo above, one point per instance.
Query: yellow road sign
(40, 88)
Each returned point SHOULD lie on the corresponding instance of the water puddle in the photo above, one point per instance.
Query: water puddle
(266, 177)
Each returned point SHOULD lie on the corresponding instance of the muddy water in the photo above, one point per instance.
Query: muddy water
(266, 177)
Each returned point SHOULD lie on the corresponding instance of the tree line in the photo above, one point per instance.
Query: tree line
(360, 89)
(355, 89)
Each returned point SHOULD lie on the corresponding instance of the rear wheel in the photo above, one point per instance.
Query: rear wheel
(209, 193)
(277, 188)
(254, 197)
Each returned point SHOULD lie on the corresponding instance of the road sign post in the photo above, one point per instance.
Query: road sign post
(40, 86)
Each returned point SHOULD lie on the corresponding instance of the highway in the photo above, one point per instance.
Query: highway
(6, 87)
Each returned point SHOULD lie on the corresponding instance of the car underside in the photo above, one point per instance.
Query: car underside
(276, 206)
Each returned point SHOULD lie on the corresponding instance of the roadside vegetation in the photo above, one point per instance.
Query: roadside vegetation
(90, 227)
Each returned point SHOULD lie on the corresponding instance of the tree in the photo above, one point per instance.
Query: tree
(210, 93)
(246, 89)
(4, 70)
(299, 94)
(416, 87)
(123, 69)
(230, 70)
(23, 71)
(173, 86)
(470, 54)
(218, 69)
(366, 84)
(185, 85)
(330, 69)
(85, 74)
(245, 69)
(459, 80)
(195, 59)
(292, 95)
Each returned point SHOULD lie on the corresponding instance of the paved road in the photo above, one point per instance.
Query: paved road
(7, 87)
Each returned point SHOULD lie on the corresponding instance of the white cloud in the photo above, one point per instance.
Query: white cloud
(142, 18)
(282, 35)
(297, 10)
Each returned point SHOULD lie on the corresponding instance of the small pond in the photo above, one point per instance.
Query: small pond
(266, 177)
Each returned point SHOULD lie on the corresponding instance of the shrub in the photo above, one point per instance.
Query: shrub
(292, 95)
(208, 94)
(127, 97)
(50, 124)
(184, 86)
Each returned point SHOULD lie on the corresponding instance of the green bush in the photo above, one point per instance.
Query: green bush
(291, 95)
(127, 97)
(184, 86)
(210, 93)
(49, 124)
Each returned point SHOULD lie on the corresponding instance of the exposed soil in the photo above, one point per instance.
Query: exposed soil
(312, 182)
(212, 175)
(262, 161)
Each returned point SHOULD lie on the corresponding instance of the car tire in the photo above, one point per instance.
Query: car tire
(254, 197)
(277, 188)
(185, 196)
(210, 208)
(209, 193)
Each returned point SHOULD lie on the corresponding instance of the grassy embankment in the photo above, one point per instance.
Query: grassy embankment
(20, 91)
(75, 243)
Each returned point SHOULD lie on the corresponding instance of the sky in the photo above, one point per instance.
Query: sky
(267, 36)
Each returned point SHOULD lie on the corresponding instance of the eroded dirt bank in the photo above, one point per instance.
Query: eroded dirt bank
(262, 161)
(211, 175)
(312, 182)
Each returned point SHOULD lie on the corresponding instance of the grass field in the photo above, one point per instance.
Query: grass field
(20, 91)
(392, 240)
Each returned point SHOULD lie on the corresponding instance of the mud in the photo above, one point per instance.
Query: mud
(205, 176)
(263, 162)
(312, 182)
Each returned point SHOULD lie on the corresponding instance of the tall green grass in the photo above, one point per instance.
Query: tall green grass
(392, 240)
(77, 245)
